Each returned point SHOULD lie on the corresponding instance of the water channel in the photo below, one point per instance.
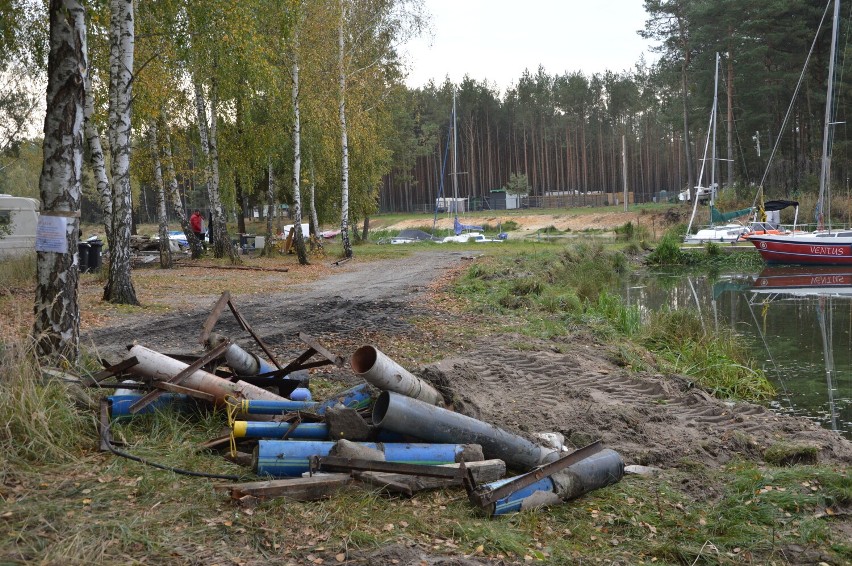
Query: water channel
(796, 321)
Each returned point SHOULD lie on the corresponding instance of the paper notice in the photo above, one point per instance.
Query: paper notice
(51, 234)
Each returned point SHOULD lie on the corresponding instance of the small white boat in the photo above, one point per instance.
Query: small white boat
(729, 233)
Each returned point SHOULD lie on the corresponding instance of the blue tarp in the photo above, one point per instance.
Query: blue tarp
(458, 227)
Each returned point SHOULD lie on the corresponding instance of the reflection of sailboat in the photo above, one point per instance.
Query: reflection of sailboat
(824, 283)
(801, 281)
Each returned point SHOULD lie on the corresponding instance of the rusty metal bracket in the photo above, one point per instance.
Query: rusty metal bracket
(482, 496)
(336, 464)
(110, 371)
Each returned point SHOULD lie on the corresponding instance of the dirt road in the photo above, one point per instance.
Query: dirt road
(573, 385)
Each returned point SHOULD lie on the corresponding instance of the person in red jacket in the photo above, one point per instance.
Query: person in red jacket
(196, 222)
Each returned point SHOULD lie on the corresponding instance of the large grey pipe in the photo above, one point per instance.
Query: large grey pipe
(387, 375)
(405, 415)
(239, 360)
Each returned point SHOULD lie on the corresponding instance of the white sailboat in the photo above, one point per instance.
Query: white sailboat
(723, 233)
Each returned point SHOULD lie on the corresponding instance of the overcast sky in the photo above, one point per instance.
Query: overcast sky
(497, 39)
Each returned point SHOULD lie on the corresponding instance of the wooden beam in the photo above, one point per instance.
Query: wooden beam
(174, 388)
(311, 488)
(213, 317)
(483, 472)
(245, 326)
(114, 369)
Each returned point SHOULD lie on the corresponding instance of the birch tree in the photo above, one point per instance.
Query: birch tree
(56, 328)
(162, 218)
(195, 246)
(344, 134)
(298, 238)
(119, 287)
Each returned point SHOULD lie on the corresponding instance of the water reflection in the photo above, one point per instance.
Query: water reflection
(797, 320)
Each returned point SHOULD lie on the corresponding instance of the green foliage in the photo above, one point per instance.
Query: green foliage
(517, 185)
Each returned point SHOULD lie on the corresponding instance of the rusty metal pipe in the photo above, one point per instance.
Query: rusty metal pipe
(405, 415)
(384, 373)
(159, 367)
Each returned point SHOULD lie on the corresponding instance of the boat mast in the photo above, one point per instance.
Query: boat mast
(455, 157)
(713, 150)
(825, 171)
(711, 127)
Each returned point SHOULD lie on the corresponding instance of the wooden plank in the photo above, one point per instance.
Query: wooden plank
(483, 472)
(320, 349)
(114, 369)
(190, 369)
(311, 488)
(213, 317)
(174, 388)
(105, 436)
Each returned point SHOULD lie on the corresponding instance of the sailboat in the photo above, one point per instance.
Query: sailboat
(825, 246)
(715, 232)
(462, 232)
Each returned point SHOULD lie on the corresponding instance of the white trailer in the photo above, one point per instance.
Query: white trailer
(18, 221)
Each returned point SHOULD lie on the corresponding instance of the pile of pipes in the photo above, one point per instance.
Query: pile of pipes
(392, 431)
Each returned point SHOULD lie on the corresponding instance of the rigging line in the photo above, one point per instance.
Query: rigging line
(771, 356)
(737, 135)
(790, 108)
(441, 185)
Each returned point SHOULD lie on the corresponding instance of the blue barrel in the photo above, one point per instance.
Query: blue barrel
(304, 431)
(291, 458)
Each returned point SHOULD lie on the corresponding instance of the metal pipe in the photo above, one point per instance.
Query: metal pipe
(160, 367)
(291, 458)
(119, 405)
(404, 415)
(256, 429)
(239, 360)
(384, 373)
(357, 397)
(597, 471)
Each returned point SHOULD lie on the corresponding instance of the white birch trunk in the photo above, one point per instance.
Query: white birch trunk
(344, 140)
(298, 237)
(195, 246)
(268, 247)
(119, 287)
(162, 218)
(56, 328)
(314, 217)
(219, 238)
(98, 162)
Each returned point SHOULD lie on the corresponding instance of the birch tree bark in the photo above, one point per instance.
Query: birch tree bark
(344, 140)
(314, 218)
(219, 238)
(298, 237)
(268, 246)
(195, 246)
(162, 219)
(97, 162)
(119, 287)
(56, 329)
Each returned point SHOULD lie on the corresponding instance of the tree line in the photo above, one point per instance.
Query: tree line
(564, 131)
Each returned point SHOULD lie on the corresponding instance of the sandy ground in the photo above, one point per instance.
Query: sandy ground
(533, 222)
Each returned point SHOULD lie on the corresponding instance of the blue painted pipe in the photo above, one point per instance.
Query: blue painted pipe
(304, 431)
(355, 397)
(291, 458)
(598, 470)
(301, 394)
(120, 404)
